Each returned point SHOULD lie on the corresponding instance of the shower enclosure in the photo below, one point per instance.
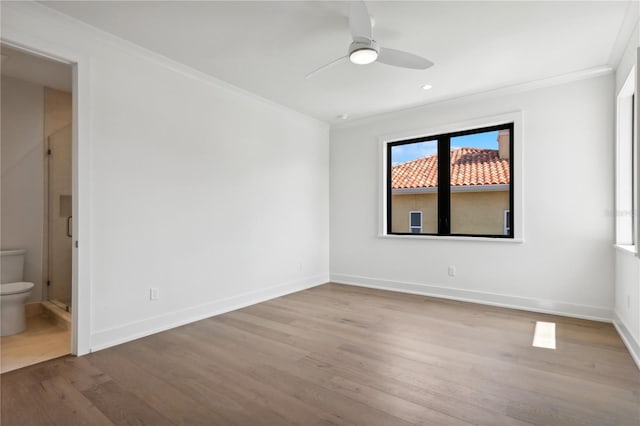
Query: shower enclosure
(60, 239)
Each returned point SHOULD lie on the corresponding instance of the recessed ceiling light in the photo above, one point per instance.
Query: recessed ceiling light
(426, 86)
(343, 116)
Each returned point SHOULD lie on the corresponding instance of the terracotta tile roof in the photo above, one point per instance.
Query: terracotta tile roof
(469, 166)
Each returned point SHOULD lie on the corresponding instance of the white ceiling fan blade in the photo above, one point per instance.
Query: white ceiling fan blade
(324, 67)
(402, 59)
(359, 20)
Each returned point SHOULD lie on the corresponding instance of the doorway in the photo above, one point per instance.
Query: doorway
(37, 122)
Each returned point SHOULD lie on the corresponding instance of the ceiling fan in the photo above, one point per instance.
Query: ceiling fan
(365, 50)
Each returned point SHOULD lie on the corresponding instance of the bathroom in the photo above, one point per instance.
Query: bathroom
(36, 208)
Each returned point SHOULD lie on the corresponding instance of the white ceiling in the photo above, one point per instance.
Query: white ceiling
(268, 47)
(36, 69)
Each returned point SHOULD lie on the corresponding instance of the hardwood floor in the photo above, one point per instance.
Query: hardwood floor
(336, 355)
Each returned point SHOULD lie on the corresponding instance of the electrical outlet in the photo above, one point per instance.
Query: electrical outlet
(452, 271)
(154, 293)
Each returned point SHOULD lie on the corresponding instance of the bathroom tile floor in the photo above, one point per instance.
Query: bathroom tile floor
(41, 341)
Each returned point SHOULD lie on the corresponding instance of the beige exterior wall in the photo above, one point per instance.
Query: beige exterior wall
(405, 203)
(471, 212)
(478, 212)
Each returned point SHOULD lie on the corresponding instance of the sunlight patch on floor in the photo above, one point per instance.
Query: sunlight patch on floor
(544, 335)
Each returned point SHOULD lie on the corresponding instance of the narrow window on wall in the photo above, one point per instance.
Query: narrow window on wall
(462, 181)
(415, 222)
(626, 167)
(634, 171)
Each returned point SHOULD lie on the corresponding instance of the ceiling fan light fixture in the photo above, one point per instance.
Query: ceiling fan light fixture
(363, 56)
(364, 49)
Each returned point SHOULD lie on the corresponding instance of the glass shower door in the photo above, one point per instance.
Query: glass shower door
(60, 218)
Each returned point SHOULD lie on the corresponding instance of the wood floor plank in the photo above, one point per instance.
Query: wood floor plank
(527, 412)
(67, 405)
(221, 367)
(18, 402)
(341, 355)
(80, 372)
(434, 402)
(172, 401)
(123, 407)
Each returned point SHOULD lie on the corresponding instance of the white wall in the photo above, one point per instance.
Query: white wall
(214, 196)
(627, 299)
(22, 168)
(566, 262)
(627, 273)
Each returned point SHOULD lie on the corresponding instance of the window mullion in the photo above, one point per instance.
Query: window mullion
(389, 190)
(444, 185)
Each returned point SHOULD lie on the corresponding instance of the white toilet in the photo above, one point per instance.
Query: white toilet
(13, 292)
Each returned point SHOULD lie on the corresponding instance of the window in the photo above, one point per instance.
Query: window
(626, 166)
(472, 197)
(415, 222)
(507, 222)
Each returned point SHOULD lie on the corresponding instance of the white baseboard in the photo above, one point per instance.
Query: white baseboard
(103, 339)
(595, 313)
(629, 340)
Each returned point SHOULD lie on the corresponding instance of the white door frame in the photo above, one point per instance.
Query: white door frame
(18, 38)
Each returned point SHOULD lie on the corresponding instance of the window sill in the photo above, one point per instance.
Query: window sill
(453, 238)
(627, 249)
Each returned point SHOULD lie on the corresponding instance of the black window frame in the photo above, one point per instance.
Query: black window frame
(444, 181)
